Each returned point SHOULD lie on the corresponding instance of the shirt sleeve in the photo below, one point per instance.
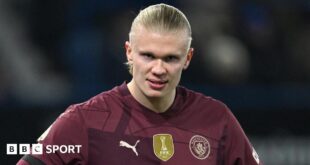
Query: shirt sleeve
(236, 146)
(29, 160)
(22, 162)
(69, 134)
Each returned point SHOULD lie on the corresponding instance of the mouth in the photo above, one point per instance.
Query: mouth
(157, 84)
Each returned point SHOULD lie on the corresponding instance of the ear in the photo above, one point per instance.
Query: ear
(189, 56)
(128, 51)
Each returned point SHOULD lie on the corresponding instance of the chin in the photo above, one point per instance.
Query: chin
(154, 94)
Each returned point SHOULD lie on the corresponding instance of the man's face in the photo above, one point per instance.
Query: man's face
(158, 60)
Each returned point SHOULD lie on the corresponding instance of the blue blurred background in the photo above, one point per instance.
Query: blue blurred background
(253, 55)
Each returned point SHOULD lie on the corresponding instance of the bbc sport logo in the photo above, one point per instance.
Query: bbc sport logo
(12, 149)
(38, 149)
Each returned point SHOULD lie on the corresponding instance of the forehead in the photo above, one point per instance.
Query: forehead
(162, 42)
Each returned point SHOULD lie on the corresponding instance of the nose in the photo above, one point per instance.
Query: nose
(158, 68)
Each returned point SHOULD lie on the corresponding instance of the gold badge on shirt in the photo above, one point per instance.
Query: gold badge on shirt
(163, 146)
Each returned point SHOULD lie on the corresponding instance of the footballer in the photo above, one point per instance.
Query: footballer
(151, 119)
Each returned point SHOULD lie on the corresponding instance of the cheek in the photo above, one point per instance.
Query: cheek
(139, 67)
(176, 72)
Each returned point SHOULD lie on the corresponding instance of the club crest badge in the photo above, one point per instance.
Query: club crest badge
(199, 147)
(163, 146)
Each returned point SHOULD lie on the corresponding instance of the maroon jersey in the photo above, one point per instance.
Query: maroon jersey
(114, 129)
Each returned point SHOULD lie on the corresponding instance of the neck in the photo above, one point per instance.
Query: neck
(156, 104)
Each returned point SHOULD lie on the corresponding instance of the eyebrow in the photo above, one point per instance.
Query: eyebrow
(166, 55)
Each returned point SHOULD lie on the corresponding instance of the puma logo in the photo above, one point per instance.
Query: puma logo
(125, 144)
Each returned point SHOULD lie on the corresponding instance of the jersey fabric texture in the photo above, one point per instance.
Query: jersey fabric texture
(113, 128)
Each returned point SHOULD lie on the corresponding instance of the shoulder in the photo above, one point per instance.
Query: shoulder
(202, 101)
(99, 102)
(95, 111)
(89, 114)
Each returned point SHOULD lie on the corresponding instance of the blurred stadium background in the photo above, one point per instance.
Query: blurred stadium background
(253, 55)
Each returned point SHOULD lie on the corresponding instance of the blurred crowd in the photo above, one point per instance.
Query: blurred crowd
(54, 51)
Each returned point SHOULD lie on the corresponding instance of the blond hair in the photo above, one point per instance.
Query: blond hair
(161, 18)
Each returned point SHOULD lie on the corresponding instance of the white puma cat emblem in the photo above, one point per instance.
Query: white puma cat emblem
(125, 144)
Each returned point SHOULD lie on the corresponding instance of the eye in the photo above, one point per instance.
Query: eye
(147, 55)
(171, 59)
